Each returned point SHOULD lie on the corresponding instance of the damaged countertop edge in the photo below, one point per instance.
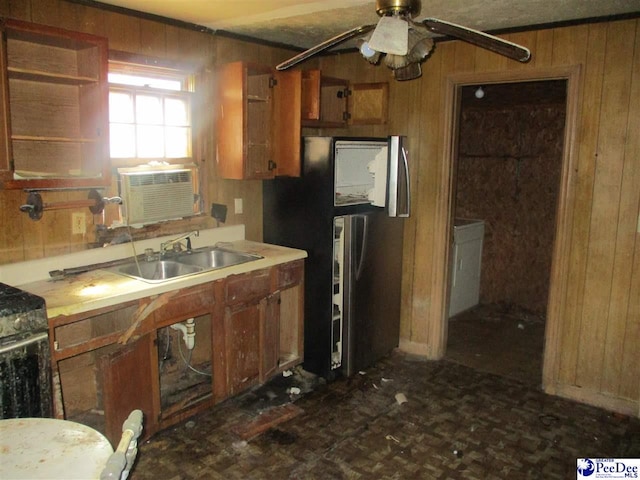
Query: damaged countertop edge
(101, 288)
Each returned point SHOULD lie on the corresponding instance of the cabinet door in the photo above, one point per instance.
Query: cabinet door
(368, 103)
(244, 122)
(270, 335)
(324, 100)
(286, 125)
(55, 107)
(242, 332)
(127, 379)
(230, 120)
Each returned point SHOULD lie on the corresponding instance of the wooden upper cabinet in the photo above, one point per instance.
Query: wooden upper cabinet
(334, 102)
(324, 100)
(368, 103)
(257, 122)
(54, 100)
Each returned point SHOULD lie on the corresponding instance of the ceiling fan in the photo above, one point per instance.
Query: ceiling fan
(405, 43)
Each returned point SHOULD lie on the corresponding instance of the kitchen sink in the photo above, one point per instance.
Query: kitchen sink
(157, 270)
(211, 258)
(181, 264)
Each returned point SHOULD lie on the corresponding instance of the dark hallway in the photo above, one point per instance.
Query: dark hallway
(509, 162)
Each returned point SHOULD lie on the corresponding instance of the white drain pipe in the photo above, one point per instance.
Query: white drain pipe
(188, 329)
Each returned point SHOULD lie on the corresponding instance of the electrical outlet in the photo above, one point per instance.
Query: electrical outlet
(78, 223)
(238, 205)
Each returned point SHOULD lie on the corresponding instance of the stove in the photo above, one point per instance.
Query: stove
(20, 312)
(25, 361)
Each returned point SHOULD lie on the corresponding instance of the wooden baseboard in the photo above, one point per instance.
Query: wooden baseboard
(615, 404)
(415, 348)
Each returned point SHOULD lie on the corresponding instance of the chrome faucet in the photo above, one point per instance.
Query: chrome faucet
(164, 246)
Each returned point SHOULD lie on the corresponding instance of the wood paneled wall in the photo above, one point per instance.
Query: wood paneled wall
(592, 349)
(593, 331)
(22, 238)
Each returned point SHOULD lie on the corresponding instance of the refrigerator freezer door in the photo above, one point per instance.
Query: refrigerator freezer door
(378, 169)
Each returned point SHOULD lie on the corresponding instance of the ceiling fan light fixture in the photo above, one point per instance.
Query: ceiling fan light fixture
(367, 52)
(390, 36)
(419, 46)
(410, 72)
(395, 61)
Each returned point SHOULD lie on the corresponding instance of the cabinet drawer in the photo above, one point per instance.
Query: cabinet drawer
(245, 287)
(190, 303)
(290, 274)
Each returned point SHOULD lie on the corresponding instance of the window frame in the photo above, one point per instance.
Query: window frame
(136, 66)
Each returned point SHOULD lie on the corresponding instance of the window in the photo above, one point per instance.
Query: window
(149, 114)
(151, 130)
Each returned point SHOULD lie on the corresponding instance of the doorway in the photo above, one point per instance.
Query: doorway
(506, 184)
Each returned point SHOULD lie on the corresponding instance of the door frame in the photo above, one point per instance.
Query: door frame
(558, 282)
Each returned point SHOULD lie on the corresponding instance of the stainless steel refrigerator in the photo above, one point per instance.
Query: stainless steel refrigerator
(346, 211)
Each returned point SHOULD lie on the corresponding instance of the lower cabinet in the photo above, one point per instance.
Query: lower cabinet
(242, 333)
(124, 374)
(178, 353)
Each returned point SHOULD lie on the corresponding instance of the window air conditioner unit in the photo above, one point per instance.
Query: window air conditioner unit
(157, 194)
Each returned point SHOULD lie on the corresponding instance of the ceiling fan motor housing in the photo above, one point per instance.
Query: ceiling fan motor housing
(403, 7)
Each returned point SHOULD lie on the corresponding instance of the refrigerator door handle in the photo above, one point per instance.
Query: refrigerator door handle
(398, 180)
(408, 183)
(363, 243)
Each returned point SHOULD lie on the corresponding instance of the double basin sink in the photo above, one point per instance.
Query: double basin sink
(159, 268)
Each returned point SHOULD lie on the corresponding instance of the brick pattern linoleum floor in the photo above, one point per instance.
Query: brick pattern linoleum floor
(457, 423)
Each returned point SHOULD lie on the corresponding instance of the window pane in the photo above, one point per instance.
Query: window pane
(149, 110)
(122, 140)
(138, 81)
(120, 107)
(177, 142)
(150, 143)
(175, 111)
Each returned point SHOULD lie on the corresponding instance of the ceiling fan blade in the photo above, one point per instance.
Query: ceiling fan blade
(343, 37)
(476, 37)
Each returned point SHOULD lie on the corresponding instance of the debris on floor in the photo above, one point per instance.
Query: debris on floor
(401, 398)
(263, 422)
(503, 428)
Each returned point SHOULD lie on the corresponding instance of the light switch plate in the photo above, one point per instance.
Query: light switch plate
(78, 223)
(238, 205)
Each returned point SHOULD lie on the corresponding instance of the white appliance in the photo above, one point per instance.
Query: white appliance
(468, 237)
(158, 194)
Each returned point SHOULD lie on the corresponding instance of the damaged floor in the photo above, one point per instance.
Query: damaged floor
(457, 423)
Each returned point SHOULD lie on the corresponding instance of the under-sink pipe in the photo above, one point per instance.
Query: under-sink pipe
(188, 329)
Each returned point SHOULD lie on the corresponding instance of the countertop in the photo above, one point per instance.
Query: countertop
(102, 288)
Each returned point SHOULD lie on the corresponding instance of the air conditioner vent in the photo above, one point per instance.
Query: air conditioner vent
(160, 178)
(153, 196)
